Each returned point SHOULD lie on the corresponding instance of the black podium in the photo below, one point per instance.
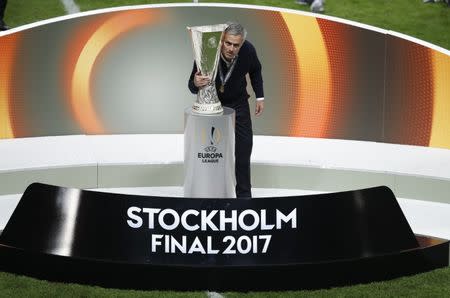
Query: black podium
(278, 243)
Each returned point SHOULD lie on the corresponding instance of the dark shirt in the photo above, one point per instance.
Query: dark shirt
(235, 89)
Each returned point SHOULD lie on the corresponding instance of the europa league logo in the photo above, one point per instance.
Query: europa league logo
(206, 44)
(211, 137)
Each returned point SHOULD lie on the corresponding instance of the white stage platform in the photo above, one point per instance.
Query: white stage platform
(153, 165)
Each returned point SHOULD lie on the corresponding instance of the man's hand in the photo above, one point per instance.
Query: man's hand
(200, 81)
(259, 108)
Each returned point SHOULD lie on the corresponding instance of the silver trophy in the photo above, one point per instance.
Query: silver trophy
(206, 43)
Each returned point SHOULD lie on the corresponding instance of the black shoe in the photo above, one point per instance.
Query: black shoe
(3, 26)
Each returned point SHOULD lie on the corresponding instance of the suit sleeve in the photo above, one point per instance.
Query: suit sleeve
(192, 87)
(255, 74)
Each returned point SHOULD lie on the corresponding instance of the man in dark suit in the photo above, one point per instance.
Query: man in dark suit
(238, 58)
(3, 26)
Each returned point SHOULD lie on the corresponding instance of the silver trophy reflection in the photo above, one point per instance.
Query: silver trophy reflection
(206, 44)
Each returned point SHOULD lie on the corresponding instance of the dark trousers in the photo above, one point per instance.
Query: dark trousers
(2, 9)
(243, 148)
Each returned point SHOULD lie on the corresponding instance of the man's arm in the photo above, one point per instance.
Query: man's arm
(257, 81)
(191, 84)
(259, 108)
(196, 80)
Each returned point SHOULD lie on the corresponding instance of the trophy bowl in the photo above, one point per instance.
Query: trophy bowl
(206, 44)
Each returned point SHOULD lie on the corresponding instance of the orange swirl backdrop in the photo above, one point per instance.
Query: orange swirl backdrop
(126, 72)
(8, 45)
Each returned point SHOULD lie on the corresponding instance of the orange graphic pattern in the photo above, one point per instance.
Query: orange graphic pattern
(440, 130)
(8, 47)
(317, 78)
(410, 93)
(83, 61)
(311, 112)
(338, 42)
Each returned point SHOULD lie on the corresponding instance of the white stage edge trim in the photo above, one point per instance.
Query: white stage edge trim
(278, 162)
(82, 150)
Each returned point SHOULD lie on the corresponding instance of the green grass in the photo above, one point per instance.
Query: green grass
(431, 284)
(20, 286)
(96, 4)
(430, 22)
(20, 12)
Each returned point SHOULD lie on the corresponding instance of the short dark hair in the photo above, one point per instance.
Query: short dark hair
(236, 29)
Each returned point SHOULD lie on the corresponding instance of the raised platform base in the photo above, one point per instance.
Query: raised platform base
(315, 241)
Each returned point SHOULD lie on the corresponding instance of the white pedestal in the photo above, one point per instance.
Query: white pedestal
(209, 155)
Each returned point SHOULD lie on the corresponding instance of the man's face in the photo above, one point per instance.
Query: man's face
(231, 45)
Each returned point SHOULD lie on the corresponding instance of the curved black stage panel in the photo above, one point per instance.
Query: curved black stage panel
(142, 242)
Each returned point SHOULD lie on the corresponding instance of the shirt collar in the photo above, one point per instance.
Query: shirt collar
(228, 63)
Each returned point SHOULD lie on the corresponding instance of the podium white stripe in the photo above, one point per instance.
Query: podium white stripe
(70, 6)
(213, 295)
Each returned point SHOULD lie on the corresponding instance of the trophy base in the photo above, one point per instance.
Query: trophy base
(208, 108)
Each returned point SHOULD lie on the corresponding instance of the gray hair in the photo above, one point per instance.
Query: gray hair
(236, 29)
